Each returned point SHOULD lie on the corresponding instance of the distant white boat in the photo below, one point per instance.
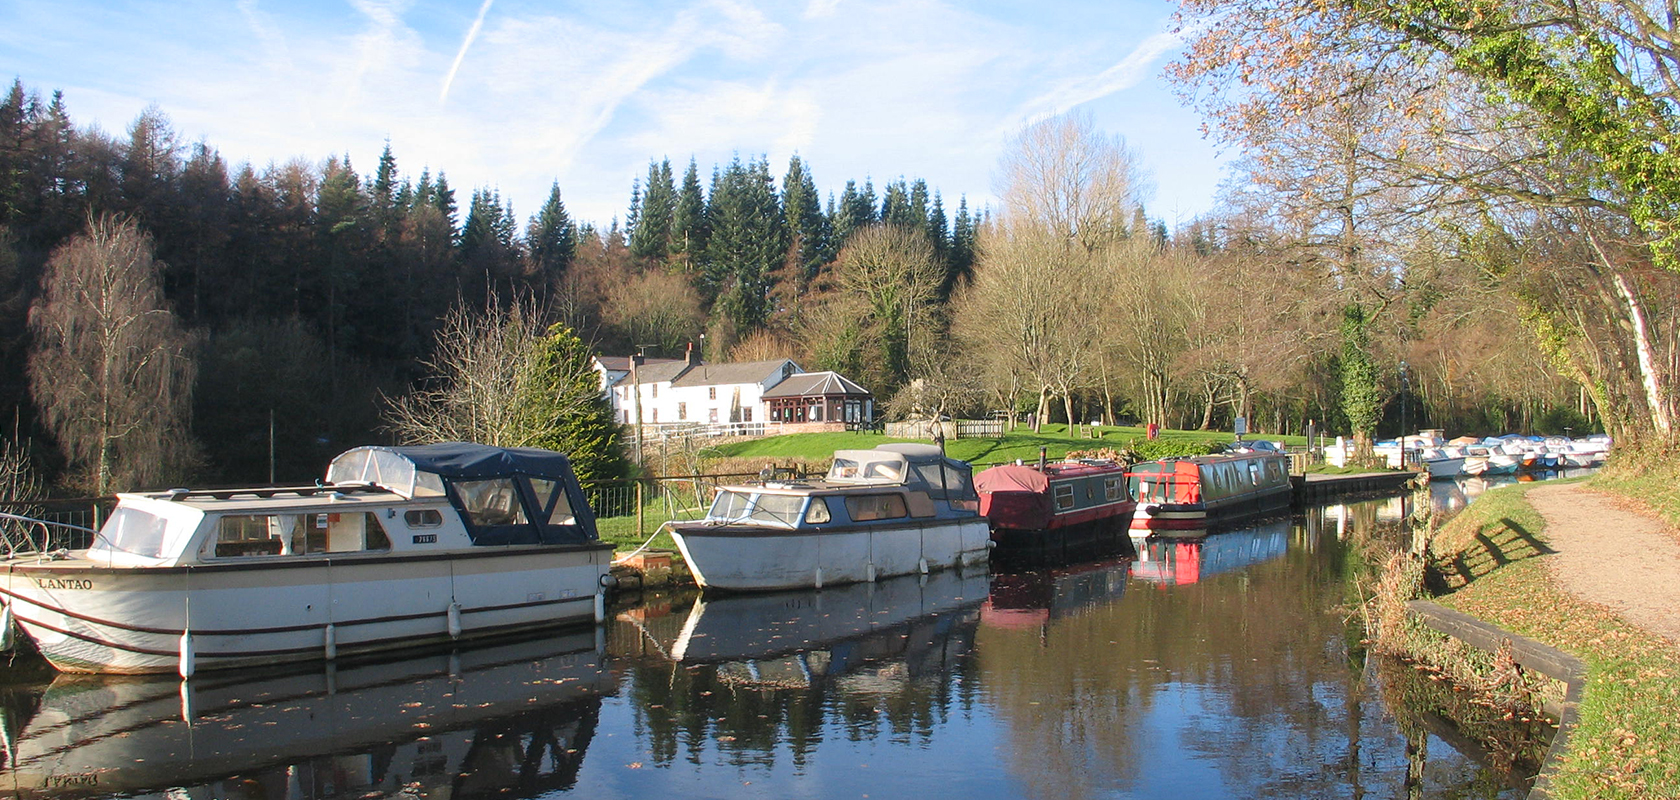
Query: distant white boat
(895, 510)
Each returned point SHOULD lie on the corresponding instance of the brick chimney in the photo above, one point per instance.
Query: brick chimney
(692, 358)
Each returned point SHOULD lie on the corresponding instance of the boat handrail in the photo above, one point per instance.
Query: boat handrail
(265, 492)
(12, 550)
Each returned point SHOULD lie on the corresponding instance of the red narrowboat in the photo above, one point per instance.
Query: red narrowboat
(1055, 509)
(1195, 492)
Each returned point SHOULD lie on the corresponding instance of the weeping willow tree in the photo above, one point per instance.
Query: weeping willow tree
(112, 371)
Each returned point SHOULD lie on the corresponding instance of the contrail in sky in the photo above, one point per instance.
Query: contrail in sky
(472, 33)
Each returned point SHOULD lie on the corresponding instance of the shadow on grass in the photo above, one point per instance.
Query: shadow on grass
(1497, 545)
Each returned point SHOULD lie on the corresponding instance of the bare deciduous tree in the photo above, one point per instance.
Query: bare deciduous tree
(1063, 174)
(111, 370)
(480, 375)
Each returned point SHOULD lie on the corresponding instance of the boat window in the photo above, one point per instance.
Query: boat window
(1111, 489)
(777, 509)
(551, 495)
(866, 507)
(818, 513)
(1064, 497)
(491, 502)
(959, 482)
(427, 484)
(423, 518)
(139, 532)
(242, 535)
(1254, 472)
(729, 507)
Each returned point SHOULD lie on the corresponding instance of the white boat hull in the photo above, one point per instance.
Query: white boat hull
(1444, 467)
(739, 558)
(87, 618)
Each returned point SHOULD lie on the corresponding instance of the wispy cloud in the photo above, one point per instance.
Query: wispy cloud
(461, 54)
(1129, 72)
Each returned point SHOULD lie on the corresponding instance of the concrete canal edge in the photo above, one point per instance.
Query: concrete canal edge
(1530, 655)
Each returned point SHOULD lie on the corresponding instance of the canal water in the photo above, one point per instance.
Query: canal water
(1224, 667)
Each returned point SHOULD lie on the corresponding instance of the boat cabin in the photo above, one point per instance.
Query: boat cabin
(384, 500)
(895, 481)
(1209, 480)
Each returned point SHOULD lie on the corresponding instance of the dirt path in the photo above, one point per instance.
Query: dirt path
(1608, 555)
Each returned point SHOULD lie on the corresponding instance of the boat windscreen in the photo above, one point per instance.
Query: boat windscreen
(142, 533)
(782, 510)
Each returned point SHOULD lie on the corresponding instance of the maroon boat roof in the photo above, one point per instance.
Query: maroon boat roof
(1023, 478)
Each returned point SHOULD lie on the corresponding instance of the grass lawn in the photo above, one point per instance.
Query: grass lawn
(1021, 443)
(1627, 744)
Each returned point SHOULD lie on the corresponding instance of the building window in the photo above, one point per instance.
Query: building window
(746, 415)
(711, 392)
(654, 388)
(682, 411)
(711, 415)
(656, 415)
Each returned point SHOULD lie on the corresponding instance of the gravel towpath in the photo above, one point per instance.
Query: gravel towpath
(1609, 555)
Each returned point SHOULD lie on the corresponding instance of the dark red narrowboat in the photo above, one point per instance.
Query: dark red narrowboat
(1056, 509)
(1196, 492)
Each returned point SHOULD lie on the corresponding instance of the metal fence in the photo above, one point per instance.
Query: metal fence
(69, 523)
(682, 433)
(951, 429)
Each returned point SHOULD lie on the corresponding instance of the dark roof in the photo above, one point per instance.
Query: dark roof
(465, 460)
(622, 363)
(812, 384)
(720, 374)
(662, 372)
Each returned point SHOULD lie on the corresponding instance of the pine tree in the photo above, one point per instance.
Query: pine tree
(688, 231)
(650, 237)
(959, 264)
(443, 198)
(806, 226)
(938, 233)
(552, 238)
(747, 243)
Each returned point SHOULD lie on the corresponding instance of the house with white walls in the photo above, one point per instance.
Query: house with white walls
(755, 396)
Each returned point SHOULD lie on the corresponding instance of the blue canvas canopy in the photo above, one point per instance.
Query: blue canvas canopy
(472, 461)
(506, 495)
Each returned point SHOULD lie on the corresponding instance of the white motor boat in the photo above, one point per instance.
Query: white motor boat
(1442, 465)
(895, 510)
(401, 547)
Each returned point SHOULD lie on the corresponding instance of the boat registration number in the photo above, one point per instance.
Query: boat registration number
(425, 538)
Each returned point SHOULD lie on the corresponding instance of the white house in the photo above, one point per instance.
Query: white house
(688, 392)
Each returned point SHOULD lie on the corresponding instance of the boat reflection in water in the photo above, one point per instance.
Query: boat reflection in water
(1189, 556)
(823, 631)
(483, 722)
(1029, 599)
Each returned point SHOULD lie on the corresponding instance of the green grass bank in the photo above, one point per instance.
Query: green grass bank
(1489, 562)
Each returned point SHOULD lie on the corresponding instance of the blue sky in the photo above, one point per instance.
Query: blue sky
(516, 94)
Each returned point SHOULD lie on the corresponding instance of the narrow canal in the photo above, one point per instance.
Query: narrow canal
(1227, 667)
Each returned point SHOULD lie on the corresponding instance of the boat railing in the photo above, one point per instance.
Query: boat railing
(22, 536)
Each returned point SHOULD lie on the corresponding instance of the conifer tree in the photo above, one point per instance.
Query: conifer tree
(651, 235)
(747, 243)
(688, 230)
(562, 395)
(806, 225)
(552, 238)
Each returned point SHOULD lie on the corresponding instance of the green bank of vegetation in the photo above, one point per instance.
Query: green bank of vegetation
(1489, 562)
